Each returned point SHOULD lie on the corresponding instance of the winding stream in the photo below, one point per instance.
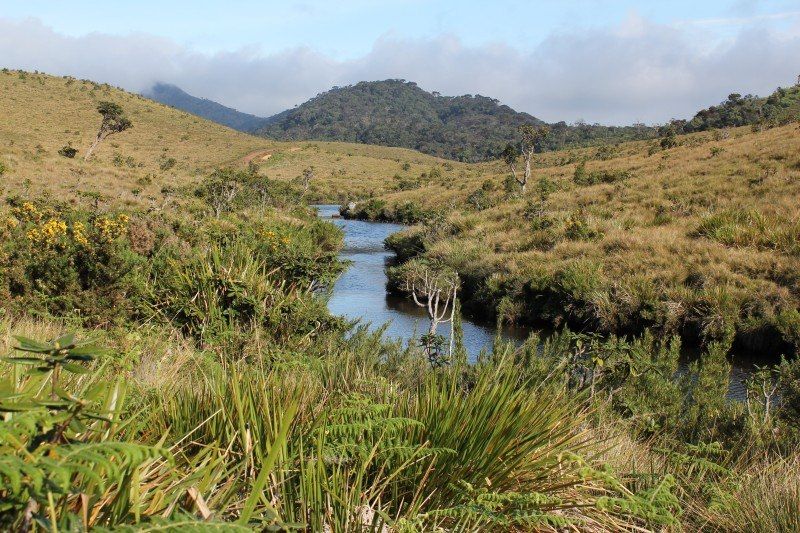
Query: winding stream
(360, 293)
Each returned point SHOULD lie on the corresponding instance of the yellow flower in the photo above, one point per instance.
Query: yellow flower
(79, 235)
(111, 229)
(12, 223)
(27, 212)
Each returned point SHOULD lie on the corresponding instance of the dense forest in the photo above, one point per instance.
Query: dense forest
(467, 128)
(399, 113)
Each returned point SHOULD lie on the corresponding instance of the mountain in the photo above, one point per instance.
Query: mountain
(400, 113)
(781, 106)
(208, 109)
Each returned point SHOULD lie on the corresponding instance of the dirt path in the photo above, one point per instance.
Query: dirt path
(261, 155)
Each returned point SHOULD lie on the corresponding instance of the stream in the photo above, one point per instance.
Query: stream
(360, 293)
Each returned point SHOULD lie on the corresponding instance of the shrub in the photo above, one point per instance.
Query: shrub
(62, 261)
(585, 178)
(166, 163)
(577, 228)
(68, 151)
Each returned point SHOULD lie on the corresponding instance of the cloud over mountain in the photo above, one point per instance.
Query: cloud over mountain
(635, 71)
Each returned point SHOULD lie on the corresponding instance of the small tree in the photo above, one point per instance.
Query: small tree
(434, 288)
(308, 175)
(219, 190)
(532, 137)
(114, 121)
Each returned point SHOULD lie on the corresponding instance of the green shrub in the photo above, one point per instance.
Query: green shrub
(583, 177)
(166, 163)
(68, 151)
(68, 262)
(578, 228)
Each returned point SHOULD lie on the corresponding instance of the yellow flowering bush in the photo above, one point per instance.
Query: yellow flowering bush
(60, 260)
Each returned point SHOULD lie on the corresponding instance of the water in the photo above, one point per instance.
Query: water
(360, 293)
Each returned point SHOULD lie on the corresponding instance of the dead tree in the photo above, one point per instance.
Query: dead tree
(435, 290)
(308, 175)
(532, 137)
(114, 121)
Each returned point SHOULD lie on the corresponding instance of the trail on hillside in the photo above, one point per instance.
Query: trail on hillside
(263, 155)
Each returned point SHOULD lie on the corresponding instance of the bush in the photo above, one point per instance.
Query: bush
(583, 177)
(166, 163)
(577, 228)
(68, 151)
(67, 262)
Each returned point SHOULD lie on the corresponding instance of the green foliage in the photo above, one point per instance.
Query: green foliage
(578, 228)
(225, 289)
(167, 163)
(57, 451)
(739, 227)
(584, 178)
(780, 107)
(56, 259)
(68, 151)
(466, 128)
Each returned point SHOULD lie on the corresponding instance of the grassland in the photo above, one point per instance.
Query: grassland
(700, 238)
(207, 387)
(166, 148)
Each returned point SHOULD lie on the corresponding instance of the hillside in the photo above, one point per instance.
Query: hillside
(781, 106)
(175, 97)
(173, 363)
(399, 113)
(702, 239)
(166, 148)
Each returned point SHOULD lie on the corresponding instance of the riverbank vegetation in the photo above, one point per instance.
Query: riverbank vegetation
(220, 394)
(171, 365)
(699, 239)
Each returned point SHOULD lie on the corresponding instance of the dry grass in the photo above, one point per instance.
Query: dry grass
(644, 231)
(42, 114)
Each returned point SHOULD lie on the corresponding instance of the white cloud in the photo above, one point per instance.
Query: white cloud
(636, 71)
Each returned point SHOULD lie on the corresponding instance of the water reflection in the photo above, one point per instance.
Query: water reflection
(360, 293)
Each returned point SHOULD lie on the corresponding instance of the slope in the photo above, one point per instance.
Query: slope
(166, 148)
(175, 97)
(399, 113)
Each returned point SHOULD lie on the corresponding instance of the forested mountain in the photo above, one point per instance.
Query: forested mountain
(208, 109)
(781, 106)
(399, 113)
(467, 128)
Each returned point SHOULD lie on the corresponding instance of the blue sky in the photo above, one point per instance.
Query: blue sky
(557, 60)
(345, 29)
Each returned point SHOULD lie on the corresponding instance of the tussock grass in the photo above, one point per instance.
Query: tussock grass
(681, 241)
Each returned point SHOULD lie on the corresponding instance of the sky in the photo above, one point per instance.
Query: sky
(607, 61)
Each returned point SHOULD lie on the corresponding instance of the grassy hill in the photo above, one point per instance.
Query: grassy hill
(701, 239)
(165, 149)
(399, 113)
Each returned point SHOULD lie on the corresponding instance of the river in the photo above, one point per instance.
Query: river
(360, 293)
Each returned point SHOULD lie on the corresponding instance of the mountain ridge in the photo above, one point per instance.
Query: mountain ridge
(174, 96)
